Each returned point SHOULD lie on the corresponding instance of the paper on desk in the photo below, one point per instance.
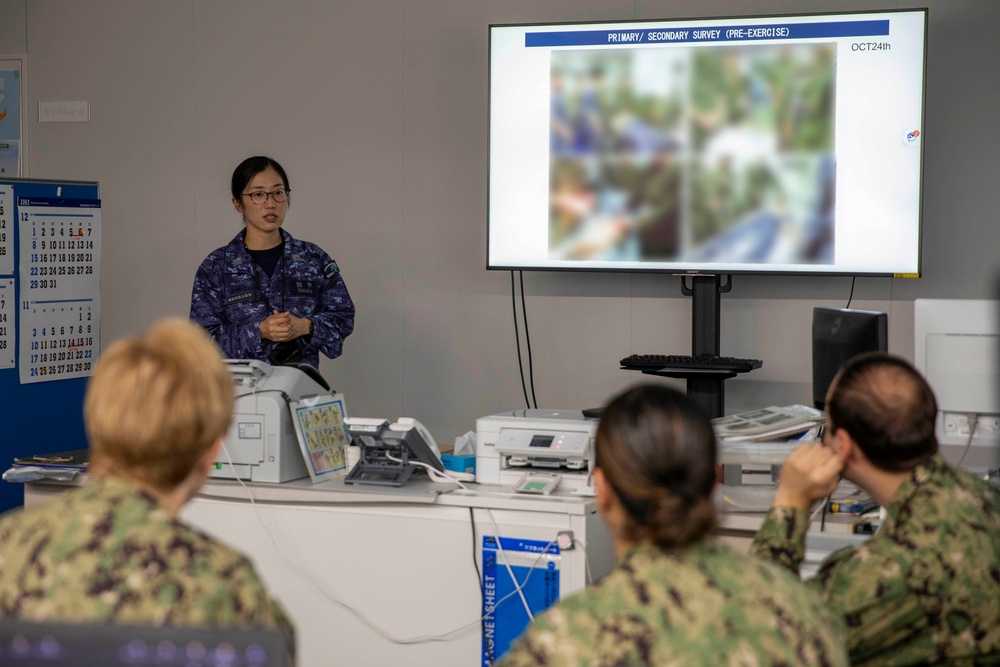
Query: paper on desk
(767, 423)
(22, 474)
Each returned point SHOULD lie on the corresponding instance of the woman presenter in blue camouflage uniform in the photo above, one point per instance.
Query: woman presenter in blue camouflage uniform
(677, 595)
(268, 295)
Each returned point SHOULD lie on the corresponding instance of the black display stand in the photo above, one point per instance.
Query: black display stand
(704, 386)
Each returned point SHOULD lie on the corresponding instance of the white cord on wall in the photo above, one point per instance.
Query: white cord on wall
(973, 419)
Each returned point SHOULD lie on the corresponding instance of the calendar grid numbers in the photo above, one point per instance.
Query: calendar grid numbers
(7, 323)
(60, 288)
(58, 349)
(6, 231)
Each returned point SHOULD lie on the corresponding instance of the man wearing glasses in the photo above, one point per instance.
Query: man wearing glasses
(267, 295)
(925, 588)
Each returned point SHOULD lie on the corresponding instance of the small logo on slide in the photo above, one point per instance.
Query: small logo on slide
(912, 136)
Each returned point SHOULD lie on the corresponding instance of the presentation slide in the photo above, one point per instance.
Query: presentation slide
(766, 144)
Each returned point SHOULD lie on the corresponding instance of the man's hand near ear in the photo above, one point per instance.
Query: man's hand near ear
(811, 472)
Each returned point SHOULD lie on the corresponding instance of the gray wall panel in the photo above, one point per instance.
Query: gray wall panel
(378, 109)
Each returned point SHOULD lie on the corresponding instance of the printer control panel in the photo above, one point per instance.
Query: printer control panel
(543, 444)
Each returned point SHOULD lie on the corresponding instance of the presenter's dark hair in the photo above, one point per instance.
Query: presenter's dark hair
(887, 408)
(657, 451)
(250, 168)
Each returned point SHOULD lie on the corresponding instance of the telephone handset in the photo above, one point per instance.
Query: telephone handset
(404, 424)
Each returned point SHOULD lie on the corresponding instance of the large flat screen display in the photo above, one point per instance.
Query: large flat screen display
(777, 144)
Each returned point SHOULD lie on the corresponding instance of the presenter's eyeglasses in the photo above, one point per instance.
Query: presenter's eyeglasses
(260, 197)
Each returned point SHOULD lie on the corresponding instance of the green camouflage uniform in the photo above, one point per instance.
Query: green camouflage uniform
(110, 553)
(926, 587)
(701, 605)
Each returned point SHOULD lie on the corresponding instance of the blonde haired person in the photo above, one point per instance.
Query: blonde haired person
(156, 411)
(677, 596)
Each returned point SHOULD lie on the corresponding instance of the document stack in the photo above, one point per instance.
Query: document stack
(765, 436)
(767, 424)
(752, 446)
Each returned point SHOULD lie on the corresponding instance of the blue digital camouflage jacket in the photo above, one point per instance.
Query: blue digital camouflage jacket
(232, 296)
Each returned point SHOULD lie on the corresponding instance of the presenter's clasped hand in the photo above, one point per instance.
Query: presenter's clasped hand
(282, 327)
(811, 472)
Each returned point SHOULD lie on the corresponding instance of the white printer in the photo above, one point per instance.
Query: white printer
(261, 442)
(510, 444)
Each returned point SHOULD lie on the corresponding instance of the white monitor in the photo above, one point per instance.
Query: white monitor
(957, 348)
(756, 144)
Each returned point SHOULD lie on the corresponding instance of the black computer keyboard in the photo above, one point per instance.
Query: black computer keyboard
(652, 362)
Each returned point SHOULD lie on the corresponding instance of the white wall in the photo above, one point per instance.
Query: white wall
(378, 110)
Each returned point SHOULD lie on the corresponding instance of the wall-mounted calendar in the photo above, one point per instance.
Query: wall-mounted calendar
(50, 312)
(60, 290)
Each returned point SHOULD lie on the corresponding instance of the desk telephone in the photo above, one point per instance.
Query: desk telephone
(390, 452)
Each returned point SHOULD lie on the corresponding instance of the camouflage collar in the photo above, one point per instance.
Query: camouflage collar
(238, 240)
(116, 490)
(646, 550)
(929, 471)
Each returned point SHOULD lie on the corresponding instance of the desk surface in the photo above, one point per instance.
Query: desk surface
(421, 491)
(751, 521)
(335, 491)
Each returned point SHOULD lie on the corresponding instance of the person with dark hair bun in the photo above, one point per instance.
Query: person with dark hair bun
(267, 295)
(926, 588)
(677, 595)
